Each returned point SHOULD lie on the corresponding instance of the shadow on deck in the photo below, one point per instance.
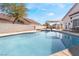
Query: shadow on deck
(74, 51)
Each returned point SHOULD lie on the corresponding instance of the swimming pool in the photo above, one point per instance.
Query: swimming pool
(36, 44)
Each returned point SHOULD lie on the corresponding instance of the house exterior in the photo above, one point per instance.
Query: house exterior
(71, 20)
(55, 24)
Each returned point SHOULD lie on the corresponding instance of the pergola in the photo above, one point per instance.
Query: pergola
(54, 24)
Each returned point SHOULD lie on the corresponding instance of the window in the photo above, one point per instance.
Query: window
(69, 24)
(70, 17)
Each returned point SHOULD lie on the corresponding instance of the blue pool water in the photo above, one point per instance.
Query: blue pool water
(36, 44)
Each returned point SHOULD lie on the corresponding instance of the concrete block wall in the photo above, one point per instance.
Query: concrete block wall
(6, 28)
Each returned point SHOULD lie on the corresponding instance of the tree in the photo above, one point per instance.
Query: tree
(47, 25)
(16, 10)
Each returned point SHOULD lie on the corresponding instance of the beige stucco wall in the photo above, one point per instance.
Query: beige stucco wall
(40, 27)
(4, 21)
(6, 28)
(67, 18)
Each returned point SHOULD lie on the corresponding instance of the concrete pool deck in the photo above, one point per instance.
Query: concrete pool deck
(13, 33)
(62, 53)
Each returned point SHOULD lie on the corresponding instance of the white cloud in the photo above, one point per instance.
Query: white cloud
(50, 14)
(61, 5)
(36, 6)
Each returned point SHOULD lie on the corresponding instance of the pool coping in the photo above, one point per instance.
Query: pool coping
(16, 33)
(67, 32)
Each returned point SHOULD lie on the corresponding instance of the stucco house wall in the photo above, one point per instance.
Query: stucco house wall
(66, 21)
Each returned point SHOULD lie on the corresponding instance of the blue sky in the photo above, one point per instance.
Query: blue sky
(42, 12)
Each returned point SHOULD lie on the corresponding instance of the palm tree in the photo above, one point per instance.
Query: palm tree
(16, 10)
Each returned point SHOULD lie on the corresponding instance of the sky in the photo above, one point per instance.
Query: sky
(41, 12)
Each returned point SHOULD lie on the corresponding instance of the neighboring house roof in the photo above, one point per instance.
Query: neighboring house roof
(53, 21)
(69, 11)
(5, 18)
(31, 21)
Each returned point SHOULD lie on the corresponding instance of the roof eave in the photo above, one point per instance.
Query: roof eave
(69, 11)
